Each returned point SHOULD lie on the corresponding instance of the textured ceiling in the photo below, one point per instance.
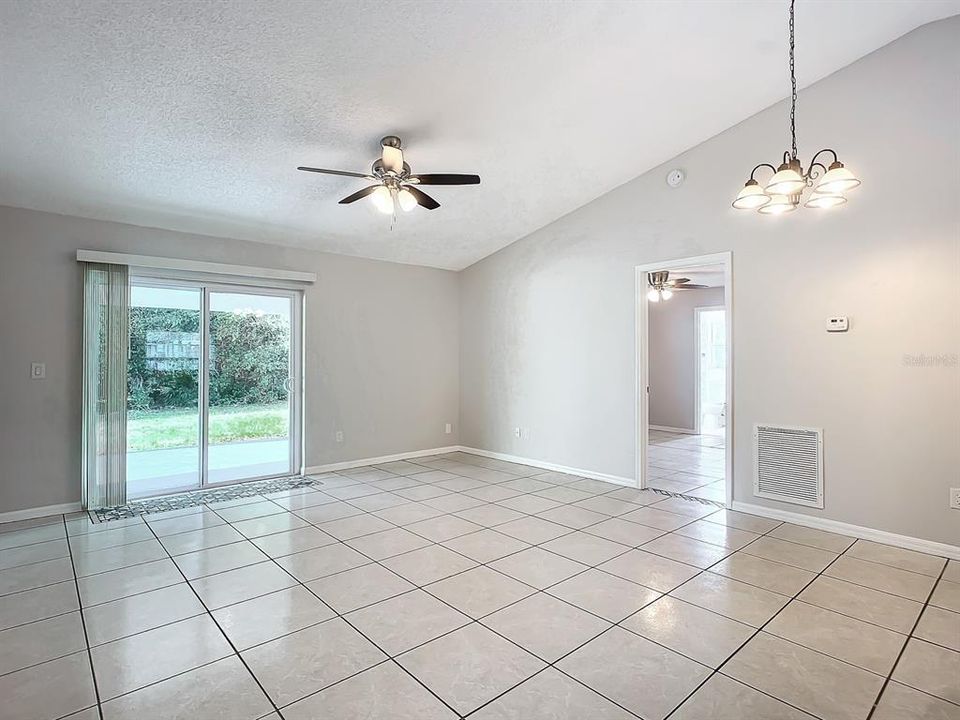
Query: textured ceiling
(192, 114)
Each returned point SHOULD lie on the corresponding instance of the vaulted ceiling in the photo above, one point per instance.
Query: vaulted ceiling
(192, 114)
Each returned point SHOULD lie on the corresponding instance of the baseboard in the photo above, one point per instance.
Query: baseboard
(30, 513)
(857, 531)
(615, 479)
(347, 464)
(667, 428)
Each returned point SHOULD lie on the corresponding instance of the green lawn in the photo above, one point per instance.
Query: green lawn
(157, 429)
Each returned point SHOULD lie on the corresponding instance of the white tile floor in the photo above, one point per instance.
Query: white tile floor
(458, 586)
(689, 464)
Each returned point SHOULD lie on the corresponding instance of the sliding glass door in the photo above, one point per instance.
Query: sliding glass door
(250, 375)
(213, 393)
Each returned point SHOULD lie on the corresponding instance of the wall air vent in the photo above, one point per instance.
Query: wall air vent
(789, 464)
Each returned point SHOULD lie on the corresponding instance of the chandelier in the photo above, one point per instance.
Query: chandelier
(784, 190)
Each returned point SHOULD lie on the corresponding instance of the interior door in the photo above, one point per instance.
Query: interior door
(250, 392)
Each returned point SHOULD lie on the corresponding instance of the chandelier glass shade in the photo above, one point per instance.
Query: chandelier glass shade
(783, 191)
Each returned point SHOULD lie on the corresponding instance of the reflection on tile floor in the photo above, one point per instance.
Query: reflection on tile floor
(458, 586)
(691, 465)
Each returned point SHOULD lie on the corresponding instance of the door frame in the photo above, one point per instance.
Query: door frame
(698, 369)
(295, 394)
(642, 330)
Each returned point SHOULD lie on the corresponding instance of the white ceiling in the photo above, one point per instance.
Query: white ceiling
(192, 114)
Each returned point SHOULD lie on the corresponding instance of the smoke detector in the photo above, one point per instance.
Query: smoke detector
(675, 177)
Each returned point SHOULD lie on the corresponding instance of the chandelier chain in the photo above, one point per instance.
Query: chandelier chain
(793, 87)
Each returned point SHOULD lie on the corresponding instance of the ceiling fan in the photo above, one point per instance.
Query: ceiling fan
(394, 184)
(662, 287)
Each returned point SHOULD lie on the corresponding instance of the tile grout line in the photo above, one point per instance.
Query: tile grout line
(434, 543)
(536, 590)
(620, 622)
(83, 623)
(423, 589)
(903, 648)
(755, 633)
(429, 540)
(338, 615)
(482, 527)
(222, 633)
(795, 598)
(613, 625)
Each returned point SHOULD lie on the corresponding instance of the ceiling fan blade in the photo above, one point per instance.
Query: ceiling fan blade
(359, 194)
(690, 286)
(392, 159)
(445, 179)
(679, 281)
(423, 200)
(345, 173)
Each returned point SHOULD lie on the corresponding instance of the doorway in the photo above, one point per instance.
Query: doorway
(213, 385)
(684, 360)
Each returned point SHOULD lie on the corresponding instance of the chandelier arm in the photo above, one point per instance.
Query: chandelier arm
(813, 160)
(813, 173)
(754, 171)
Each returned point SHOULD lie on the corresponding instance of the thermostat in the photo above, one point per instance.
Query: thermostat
(840, 323)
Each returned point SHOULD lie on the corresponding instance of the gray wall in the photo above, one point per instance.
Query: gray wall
(381, 350)
(547, 324)
(673, 367)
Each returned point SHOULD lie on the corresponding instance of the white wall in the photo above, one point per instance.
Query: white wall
(547, 324)
(673, 367)
(381, 349)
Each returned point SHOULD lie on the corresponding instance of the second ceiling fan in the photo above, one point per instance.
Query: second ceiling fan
(662, 287)
(394, 184)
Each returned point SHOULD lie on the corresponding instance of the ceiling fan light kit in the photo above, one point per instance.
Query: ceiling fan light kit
(395, 185)
(783, 192)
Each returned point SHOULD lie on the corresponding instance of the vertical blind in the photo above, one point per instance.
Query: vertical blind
(106, 308)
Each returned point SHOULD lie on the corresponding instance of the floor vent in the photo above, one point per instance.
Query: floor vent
(789, 464)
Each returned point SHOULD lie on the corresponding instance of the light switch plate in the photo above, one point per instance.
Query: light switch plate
(955, 498)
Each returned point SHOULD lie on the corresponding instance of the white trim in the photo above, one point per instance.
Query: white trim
(615, 479)
(347, 464)
(881, 536)
(30, 513)
(667, 428)
(165, 263)
(642, 412)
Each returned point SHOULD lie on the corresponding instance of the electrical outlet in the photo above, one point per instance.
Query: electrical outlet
(448, 428)
(955, 498)
(339, 436)
(517, 432)
(38, 371)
